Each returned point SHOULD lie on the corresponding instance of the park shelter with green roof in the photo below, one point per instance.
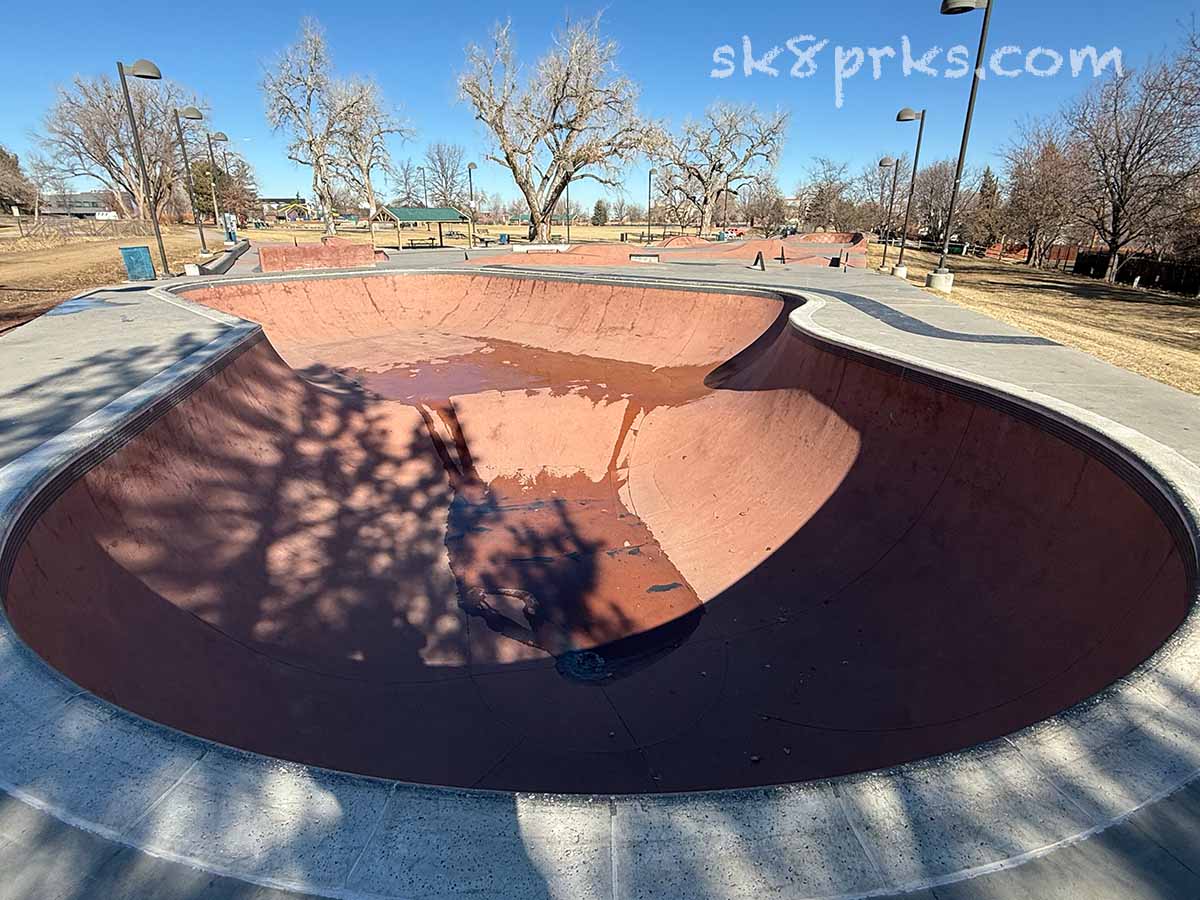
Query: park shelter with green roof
(408, 216)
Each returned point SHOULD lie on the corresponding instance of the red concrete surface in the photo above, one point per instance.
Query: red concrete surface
(519, 534)
(331, 253)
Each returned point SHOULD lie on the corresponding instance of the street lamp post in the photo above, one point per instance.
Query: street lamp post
(143, 68)
(942, 279)
(212, 173)
(888, 163)
(193, 114)
(909, 115)
(568, 208)
(471, 167)
(424, 185)
(649, 182)
(728, 191)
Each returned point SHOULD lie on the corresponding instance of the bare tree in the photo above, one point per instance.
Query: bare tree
(825, 194)
(761, 205)
(86, 133)
(728, 146)
(446, 171)
(573, 117)
(1138, 139)
(407, 184)
(620, 209)
(313, 108)
(359, 150)
(45, 178)
(1043, 172)
(875, 207)
(931, 199)
(675, 204)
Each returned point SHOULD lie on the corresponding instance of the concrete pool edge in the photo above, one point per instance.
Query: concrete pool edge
(1027, 795)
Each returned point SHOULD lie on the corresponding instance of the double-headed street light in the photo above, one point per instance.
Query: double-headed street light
(220, 137)
(192, 114)
(909, 115)
(471, 167)
(888, 163)
(942, 279)
(143, 68)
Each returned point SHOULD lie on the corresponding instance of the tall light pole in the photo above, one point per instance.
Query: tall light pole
(143, 68)
(909, 115)
(424, 185)
(212, 173)
(471, 167)
(942, 278)
(649, 183)
(728, 191)
(888, 163)
(568, 208)
(193, 114)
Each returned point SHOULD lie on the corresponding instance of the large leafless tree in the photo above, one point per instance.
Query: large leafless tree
(310, 105)
(1137, 134)
(446, 175)
(729, 145)
(406, 184)
(573, 116)
(86, 134)
(1043, 172)
(360, 152)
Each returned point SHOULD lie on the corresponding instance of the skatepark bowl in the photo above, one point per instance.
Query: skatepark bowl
(526, 533)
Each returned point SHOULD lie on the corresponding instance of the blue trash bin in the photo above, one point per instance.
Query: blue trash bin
(503, 238)
(138, 264)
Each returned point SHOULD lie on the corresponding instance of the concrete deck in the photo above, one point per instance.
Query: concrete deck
(1100, 801)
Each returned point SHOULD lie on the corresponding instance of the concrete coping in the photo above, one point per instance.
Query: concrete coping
(289, 826)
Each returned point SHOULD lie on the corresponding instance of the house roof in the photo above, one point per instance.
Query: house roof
(424, 214)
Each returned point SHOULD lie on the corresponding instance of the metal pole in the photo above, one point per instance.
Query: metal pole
(187, 168)
(891, 203)
(911, 189)
(725, 223)
(137, 146)
(568, 209)
(471, 211)
(424, 185)
(649, 182)
(962, 152)
(212, 182)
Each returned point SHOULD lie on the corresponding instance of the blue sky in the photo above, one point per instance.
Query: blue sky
(416, 50)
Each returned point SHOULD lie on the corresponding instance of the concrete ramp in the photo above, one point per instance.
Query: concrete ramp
(487, 531)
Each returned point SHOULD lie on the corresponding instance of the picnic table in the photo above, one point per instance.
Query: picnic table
(413, 243)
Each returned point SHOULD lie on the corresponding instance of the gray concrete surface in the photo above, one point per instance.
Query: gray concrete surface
(1100, 801)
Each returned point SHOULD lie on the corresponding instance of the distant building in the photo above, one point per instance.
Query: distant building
(281, 209)
(82, 205)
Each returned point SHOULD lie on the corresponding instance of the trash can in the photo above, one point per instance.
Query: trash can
(503, 238)
(138, 265)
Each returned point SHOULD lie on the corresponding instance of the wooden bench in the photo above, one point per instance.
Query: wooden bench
(414, 243)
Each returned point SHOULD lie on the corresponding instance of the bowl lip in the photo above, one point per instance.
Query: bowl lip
(1042, 752)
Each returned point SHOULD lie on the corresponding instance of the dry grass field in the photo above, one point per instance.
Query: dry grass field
(33, 280)
(1153, 333)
